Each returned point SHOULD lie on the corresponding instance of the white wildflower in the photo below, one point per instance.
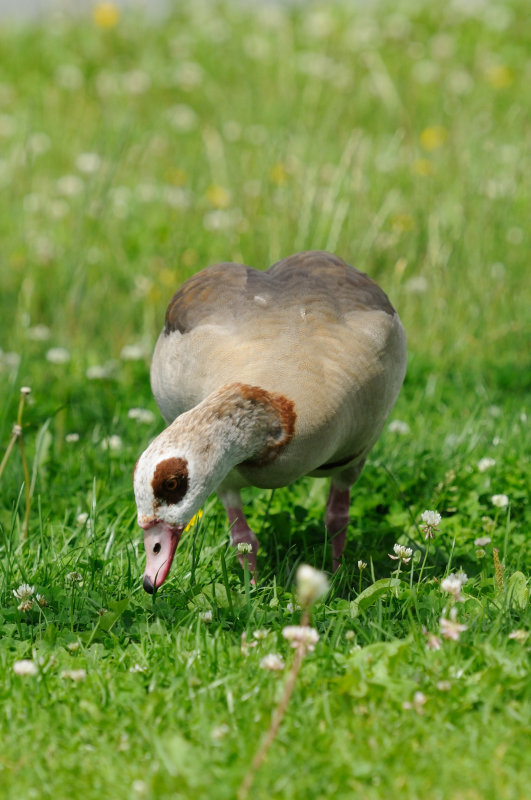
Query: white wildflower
(41, 600)
(273, 662)
(398, 426)
(72, 437)
(205, 616)
(70, 185)
(291, 608)
(88, 162)
(24, 591)
(26, 605)
(25, 667)
(75, 675)
(74, 577)
(137, 668)
(482, 541)
(113, 442)
(519, 635)
(144, 415)
(58, 355)
(499, 500)
(132, 352)
(453, 584)
(430, 521)
(260, 634)
(244, 547)
(39, 333)
(82, 518)
(362, 565)
(402, 553)
(451, 629)
(311, 585)
(301, 635)
(220, 731)
(486, 463)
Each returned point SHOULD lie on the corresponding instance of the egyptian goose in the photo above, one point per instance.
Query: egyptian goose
(264, 377)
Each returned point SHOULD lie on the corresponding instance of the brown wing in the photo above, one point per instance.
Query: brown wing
(311, 278)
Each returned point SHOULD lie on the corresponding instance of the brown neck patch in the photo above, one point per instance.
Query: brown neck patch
(278, 408)
(170, 480)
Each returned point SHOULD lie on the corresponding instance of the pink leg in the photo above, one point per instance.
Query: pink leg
(241, 532)
(337, 519)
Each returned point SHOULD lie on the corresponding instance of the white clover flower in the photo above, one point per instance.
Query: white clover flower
(311, 584)
(88, 162)
(453, 584)
(301, 635)
(73, 647)
(75, 675)
(205, 616)
(499, 500)
(70, 185)
(260, 634)
(519, 635)
(430, 521)
(72, 437)
(74, 577)
(220, 731)
(41, 600)
(137, 668)
(451, 629)
(362, 565)
(132, 352)
(486, 463)
(482, 541)
(402, 553)
(113, 443)
(141, 415)
(273, 662)
(82, 518)
(291, 608)
(398, 426)
(58, 355)
(25, 667)
(26, 605)
(244, 547)
(24, 591)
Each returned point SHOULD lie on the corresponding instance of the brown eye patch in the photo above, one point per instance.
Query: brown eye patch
(170, 481)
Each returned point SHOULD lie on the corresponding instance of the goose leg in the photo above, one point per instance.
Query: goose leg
(338, 510)
(239, 528)
(337, 519)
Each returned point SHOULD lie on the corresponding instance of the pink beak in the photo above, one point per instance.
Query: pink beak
(160, 541)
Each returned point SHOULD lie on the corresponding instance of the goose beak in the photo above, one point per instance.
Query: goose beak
(160, 541)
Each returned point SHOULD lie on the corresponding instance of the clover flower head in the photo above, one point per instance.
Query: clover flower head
(402, 553)
(453, 584)
(244, 547)
(205, 616)
(499, 500)
(430, 520)
(24, 591)
(272, 662)
(311, 585)
(301, 636)
(362, 565)
(75, 675)
(450, 628)
(25, 667)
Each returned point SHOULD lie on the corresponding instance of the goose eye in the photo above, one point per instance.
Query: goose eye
(170, 481)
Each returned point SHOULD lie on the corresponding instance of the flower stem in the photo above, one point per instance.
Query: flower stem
(278, 716)
(427, 550)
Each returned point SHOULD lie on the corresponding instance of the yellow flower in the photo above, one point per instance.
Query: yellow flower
(402, 223)
(433, 137)
(278, 174)
(499, 76)
(105, 15)
(194, 519)
(218, 196)
(423, 166)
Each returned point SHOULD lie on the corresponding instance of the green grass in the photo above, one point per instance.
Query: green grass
(395, 136)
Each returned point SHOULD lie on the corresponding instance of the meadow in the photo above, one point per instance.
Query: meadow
(135, 150)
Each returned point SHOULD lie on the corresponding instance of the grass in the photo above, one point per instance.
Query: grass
(394, 136)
